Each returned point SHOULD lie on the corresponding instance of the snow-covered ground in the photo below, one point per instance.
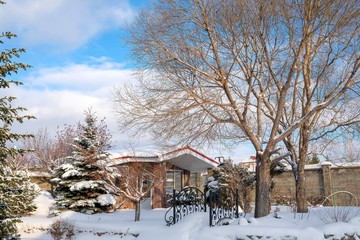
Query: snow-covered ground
(121, 225)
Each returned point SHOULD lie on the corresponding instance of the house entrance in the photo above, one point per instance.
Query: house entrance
(174, 180)
(147, 203)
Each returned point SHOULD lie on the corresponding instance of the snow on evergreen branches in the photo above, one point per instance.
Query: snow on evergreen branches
(80, 186)
(16, 199)
(235, 177)
(16, 193)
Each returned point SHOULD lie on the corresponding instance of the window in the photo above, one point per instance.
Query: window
(195, 180)
(174, 180)
(123, 168)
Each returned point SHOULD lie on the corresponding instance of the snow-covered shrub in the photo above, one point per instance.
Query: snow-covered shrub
(211, 185)
(337, 214)
(62, 229)
(235, 177)
(187, 196)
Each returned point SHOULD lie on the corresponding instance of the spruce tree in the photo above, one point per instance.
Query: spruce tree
(236, 177)
(80, 185)
(16, 197)
(10, 189)
(18, 192)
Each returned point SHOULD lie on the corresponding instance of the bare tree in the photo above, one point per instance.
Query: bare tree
(339, 145)
(327, 123)
(134, 180)
(225, 71)
(48, 153)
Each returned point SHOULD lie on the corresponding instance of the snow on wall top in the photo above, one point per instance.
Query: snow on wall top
(322, 164)
(332, 165)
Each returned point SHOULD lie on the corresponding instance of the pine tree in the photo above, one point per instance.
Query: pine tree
(9, 185)
(17, 196)
(314, 159)
(18, 192)
(80, 186)
(234, 176)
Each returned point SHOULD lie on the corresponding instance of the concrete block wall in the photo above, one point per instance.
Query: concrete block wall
(346, 179)
(322, 180)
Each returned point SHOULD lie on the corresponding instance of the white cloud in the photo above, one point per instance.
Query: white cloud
(65, 24)
(85, 77)
(58, 96)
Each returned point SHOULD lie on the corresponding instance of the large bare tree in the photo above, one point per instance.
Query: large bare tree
(315, 134)
(225, 71)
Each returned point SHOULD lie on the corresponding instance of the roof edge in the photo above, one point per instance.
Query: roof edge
(193, 150)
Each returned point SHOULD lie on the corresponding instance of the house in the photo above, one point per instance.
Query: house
(249, 164)
(178, 169)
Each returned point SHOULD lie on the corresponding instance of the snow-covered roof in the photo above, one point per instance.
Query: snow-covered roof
(190, 159)
(125, 156)
(134, 158)
(125, 152)
(185, 158)
(247, 161)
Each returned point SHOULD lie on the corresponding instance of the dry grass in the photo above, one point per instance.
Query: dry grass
(62, 229)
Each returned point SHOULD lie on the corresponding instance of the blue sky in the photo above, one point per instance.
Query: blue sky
(78, 57)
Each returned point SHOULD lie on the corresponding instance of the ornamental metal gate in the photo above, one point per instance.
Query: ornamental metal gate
(185, 202)
(223, 204)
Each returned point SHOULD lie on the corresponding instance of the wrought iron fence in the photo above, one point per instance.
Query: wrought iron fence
(223, 204)
(185, 202)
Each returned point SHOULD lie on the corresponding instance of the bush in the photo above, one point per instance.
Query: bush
(61, 228)
(337, 214)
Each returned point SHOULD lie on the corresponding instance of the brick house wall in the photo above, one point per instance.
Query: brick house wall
(158, 194)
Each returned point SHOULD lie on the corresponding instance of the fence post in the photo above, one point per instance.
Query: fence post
(237, 203)
(174, 206)
(204, 202)
(326, 174)
(211, 208)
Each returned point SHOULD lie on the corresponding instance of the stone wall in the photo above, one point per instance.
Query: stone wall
(322, 180)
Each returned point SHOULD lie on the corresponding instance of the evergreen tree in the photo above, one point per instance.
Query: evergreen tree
(11, 188)
(234, 176)
(80, 185)
(18, 192)
(314, 159)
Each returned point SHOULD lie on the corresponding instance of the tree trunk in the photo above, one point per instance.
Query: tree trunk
(137, 211)
(301, 203)
(263, 182)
